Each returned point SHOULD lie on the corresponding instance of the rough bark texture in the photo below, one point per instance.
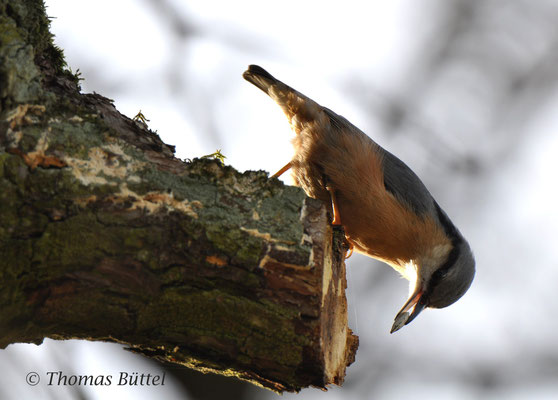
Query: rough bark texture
(105, 235)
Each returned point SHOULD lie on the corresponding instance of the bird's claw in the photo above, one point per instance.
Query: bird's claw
(349, 246)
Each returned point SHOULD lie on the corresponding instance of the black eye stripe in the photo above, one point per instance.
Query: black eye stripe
(443, 270)
(456, 239)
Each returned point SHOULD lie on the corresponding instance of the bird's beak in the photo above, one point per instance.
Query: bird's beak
(417, 303)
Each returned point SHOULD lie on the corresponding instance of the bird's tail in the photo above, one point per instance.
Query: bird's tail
(291, 101)
(260, 78)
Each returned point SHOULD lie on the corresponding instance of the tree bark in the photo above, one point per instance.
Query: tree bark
(105, 235)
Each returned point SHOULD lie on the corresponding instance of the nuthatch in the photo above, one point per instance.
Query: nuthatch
(386, 211)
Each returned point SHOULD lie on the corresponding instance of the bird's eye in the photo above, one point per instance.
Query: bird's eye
(439, 274)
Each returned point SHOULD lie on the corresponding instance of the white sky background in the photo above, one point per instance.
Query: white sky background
(496, 342)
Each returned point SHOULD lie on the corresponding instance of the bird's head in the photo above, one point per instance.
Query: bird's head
(439, 281)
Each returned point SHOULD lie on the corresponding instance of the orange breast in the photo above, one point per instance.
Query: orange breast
(378, 224)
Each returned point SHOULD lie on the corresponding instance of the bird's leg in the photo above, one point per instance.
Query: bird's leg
(337, 220)
(282, 170)
(336, 216)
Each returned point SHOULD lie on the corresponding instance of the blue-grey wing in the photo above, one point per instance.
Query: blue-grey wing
(405, 185)
(399, 179)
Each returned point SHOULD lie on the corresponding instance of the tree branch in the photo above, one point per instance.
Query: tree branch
(105, 235)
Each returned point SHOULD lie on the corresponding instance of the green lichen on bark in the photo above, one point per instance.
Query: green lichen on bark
(247, 326)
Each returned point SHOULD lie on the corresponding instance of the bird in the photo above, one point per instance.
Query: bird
(386, 211)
